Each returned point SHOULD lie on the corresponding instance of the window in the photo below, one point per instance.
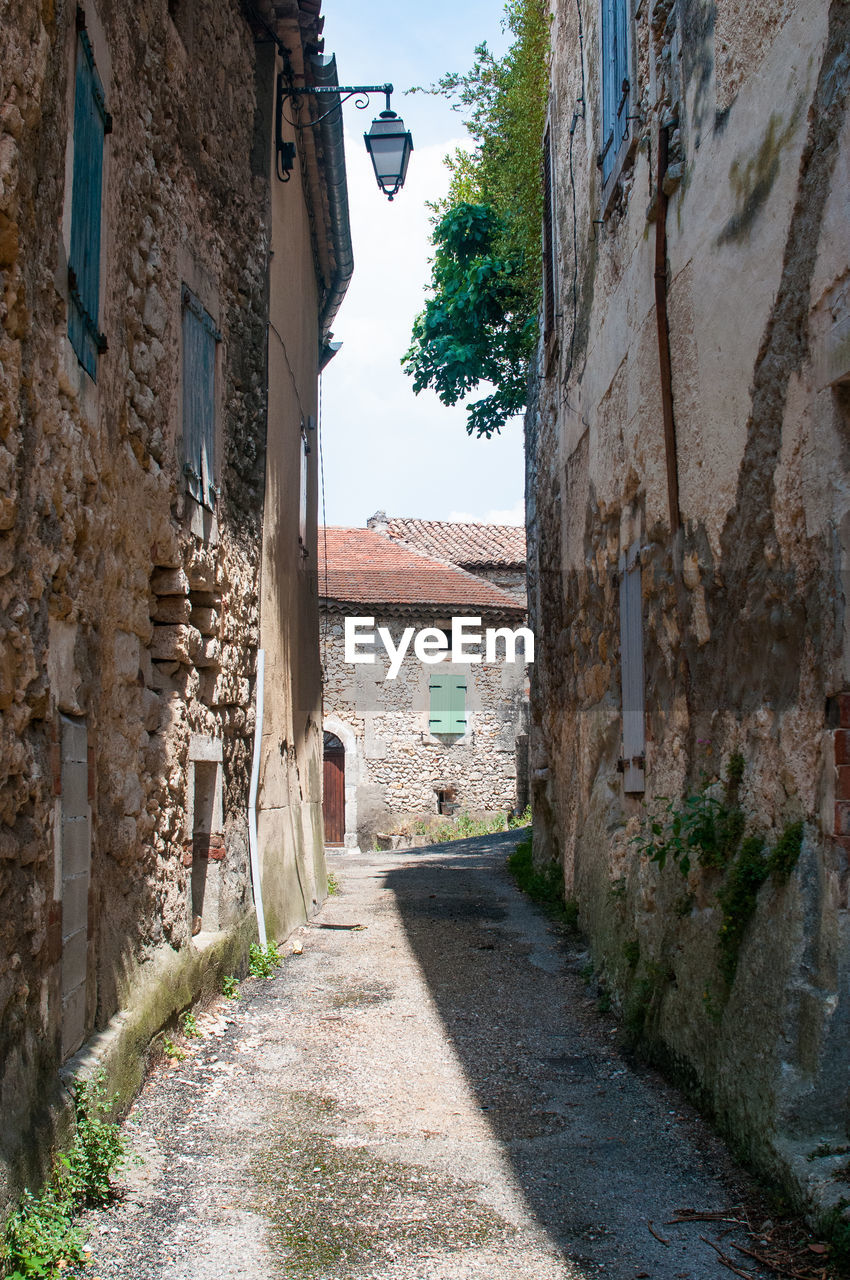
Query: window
(200, 338)
(615, 83)
(448, 704)
(91, 123)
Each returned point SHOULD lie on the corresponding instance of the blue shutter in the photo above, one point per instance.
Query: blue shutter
(448, 704)
(199, 342)
(615, 81)
(91, 123)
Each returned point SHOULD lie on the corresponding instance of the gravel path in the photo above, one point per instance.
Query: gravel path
(432, 1096)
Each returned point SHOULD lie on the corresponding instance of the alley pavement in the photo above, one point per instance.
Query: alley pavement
(426, 1090)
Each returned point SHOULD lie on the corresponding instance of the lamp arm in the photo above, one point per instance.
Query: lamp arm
(360, 94)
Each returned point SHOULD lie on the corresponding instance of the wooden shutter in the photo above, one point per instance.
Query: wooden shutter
(632, 673)
(448, 704)
(199, 343)
(548, 239)
(91, 122)
(615, 81)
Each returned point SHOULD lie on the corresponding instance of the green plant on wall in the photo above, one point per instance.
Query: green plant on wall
(708, 828)
(40, 1238)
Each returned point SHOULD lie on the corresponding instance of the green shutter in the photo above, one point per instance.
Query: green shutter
(199, 342)
(91, 122)
(448, 704)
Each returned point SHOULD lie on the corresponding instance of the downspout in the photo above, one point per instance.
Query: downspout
(252, 802)
(664, 334)
(323, 67)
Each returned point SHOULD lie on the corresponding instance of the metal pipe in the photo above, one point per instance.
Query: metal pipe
(252, 802)
(664, 336)
(323, 67)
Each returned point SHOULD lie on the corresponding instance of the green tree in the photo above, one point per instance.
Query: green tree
(479, 325)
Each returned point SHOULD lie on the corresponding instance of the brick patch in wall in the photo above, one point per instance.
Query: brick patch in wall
(212, 847)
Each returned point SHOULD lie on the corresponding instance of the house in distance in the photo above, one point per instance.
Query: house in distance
(441, 737)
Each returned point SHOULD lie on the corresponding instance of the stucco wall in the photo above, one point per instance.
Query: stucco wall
(398, 764)
(744, 638)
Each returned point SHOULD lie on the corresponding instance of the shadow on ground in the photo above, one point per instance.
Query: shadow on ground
(599, 1148)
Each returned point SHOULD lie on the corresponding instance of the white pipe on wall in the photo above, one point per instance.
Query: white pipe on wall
(252, 802)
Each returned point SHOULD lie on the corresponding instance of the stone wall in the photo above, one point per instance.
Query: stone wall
(129, 614)
(394, 765)
(742, 612)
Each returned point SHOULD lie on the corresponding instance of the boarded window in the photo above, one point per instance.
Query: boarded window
(615, 81)
(200, 338)
(448, 704)
(632, 675)
(91, 123)
(549, 273)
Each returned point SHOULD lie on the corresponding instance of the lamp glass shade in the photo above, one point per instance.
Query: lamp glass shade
(389, 144)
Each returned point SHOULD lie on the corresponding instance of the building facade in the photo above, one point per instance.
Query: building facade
(688, 536)
(437, 739)
(166, 308)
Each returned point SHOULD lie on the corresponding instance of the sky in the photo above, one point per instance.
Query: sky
(385, 448)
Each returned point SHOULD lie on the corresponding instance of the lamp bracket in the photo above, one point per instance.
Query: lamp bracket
(359, 92)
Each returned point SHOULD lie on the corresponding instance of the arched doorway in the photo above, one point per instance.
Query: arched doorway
(333, 790)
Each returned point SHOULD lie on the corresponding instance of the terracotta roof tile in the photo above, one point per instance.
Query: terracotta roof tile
(469, 545)
(365, 567)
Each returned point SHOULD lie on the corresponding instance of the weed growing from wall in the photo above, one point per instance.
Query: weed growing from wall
(40, 1238)
(263, 964)
(545, 885)
(709, 829)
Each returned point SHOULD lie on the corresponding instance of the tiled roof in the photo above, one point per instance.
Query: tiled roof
(470, 545)
(365, 567)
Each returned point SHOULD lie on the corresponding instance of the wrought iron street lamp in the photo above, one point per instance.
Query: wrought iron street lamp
(388, 142)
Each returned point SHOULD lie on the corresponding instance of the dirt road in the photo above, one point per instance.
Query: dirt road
(430, 1095)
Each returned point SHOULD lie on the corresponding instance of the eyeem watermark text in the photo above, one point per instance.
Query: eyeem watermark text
(431, 645)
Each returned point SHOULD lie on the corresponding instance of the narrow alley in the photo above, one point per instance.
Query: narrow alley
(427, 1089)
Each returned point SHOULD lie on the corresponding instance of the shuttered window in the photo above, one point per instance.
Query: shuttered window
(448, 704)
(91, 123)
(549, 274)
(632, 672)
(200, 337)
(615, 81)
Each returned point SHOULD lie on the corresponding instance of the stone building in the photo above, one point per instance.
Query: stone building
(166, 306)
(689, 533)
(439, 738)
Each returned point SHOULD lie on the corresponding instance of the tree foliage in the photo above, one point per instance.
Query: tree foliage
(480, 323)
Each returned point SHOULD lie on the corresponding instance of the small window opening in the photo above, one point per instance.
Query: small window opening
(447, 801)
(204, 896)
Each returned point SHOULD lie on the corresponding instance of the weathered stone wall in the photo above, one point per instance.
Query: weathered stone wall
(744, 636)
(124, 606)
(394, 765)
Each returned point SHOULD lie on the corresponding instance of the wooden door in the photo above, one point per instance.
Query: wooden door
(333, 793)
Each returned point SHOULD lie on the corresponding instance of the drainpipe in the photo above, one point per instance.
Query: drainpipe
(664, 333)
(252, 802)
(323, 67)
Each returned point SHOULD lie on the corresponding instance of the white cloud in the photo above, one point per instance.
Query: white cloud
(514, 515)
(384, 447)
